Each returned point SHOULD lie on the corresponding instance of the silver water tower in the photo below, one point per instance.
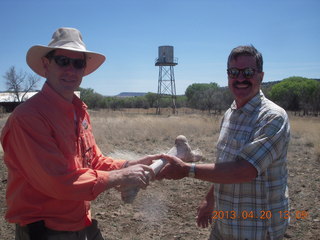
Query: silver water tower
(166, 82)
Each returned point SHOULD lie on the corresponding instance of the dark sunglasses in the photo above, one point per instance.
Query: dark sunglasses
(247, 73)
(64, 61)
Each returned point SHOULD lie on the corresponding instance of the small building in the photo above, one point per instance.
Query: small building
(9, 100)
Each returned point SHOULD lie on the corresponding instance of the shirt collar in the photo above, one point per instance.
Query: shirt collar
(60, 102)
(250, 106)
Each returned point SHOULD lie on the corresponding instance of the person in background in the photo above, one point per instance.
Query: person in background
(55, 167)
(250, 174)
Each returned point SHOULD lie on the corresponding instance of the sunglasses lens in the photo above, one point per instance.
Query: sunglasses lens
(233, 72)
(62, 61)
(248, 73)
(79, 63)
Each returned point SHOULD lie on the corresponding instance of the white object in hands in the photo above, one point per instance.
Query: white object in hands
(158, 165)
(181, 149)
(129, 195)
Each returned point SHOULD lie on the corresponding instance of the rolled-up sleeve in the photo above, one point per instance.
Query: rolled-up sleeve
(268, 143)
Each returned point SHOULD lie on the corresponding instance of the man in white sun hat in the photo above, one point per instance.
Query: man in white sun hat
(54, 166)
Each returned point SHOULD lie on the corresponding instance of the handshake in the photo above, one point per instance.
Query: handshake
(170, 166)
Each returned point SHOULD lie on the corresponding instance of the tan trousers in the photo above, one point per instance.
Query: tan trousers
(89, 233)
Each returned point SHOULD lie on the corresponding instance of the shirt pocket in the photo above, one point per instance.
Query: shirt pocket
(229, 148)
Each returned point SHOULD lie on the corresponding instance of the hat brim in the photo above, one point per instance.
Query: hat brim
(35, 53)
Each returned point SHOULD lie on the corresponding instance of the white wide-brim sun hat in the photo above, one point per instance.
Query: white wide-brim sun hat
(68, 39)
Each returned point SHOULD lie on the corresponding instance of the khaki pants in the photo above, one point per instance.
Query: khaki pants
(89, 233)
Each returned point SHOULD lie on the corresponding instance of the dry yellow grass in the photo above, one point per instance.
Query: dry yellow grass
(305, 131)
(142, 132)
(148, 134)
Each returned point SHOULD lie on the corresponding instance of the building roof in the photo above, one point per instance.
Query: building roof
(11, 97)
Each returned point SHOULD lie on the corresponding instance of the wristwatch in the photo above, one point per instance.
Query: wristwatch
(192, 170)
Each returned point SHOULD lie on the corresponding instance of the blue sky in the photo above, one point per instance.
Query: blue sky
(203, 32)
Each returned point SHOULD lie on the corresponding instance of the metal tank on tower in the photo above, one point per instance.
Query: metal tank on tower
(166, 81)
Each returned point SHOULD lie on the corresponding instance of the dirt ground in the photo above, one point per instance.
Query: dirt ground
(167, 209)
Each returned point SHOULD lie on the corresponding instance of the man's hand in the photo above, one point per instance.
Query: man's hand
(137, 175)
(204, 215)
(174, 169)
(147, 160)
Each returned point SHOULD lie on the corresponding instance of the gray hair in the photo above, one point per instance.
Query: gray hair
(247, 51)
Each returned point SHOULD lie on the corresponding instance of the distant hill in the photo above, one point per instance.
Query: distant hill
(130, 94)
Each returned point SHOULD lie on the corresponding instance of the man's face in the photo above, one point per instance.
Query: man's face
(64, 79)
(242, 88)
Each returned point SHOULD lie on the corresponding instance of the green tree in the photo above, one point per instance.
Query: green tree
(151, 99)
(295, 93)
(196, 90)
(92, 99)
(181, 101)
(196, 87)
(316, 99)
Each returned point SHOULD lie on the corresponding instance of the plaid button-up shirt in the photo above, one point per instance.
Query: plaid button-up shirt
(258, 132)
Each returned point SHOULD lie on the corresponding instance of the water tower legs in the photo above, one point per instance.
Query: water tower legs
(166, 87)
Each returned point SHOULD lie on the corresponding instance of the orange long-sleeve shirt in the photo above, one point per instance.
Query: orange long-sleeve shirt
(54, 166)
